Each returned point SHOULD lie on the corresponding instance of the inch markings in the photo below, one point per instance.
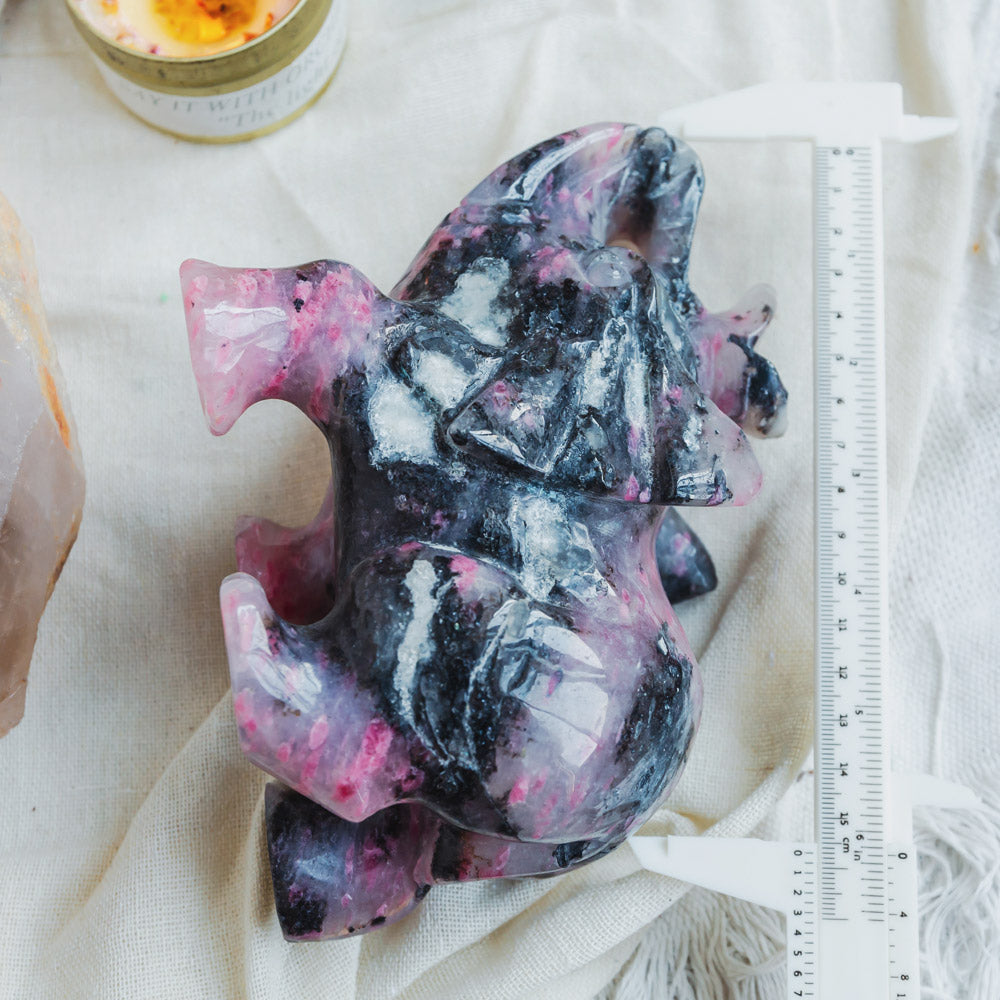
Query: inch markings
(904, 951)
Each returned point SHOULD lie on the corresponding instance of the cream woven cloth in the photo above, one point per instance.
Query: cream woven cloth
(131, 851)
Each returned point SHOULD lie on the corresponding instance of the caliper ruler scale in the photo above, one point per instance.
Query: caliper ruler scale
(852, 780)
(849, 897)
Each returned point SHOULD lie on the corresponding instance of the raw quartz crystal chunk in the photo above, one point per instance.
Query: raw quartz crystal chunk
(468, 665)
(41, 474)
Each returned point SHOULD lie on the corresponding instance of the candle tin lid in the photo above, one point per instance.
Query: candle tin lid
(235, 94)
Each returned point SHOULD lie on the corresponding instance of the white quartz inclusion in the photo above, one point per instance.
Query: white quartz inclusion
(265, 326)
(441, 377)
(553, 551)
(474, 301)
(402, 428)
(692, 432)
(420, 582)
(41, 475)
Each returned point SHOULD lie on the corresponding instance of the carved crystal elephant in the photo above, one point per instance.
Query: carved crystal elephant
(468, 665)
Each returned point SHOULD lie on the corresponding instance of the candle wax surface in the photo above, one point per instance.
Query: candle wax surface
(183, 28)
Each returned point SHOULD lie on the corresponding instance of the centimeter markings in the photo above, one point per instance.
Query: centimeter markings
(802, 963)
(851, 788)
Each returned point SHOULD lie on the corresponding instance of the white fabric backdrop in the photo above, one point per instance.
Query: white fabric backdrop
(131, 848)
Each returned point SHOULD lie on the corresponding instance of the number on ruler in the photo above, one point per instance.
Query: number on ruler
(800, 928)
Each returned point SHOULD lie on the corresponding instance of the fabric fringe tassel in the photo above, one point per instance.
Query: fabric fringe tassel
(707, 947)
(713, 947)
(958, 858)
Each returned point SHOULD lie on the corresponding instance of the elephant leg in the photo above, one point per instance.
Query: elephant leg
(370, 706)
(463, 855)
(303, 715)
(333, 878)
(686, 568)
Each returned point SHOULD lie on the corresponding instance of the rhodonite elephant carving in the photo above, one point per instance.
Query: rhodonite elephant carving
(468, 665)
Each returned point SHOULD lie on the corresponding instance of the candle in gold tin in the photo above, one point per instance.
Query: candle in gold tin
(214, 70)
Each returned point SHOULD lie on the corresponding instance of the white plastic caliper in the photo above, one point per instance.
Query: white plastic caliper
(850, 896)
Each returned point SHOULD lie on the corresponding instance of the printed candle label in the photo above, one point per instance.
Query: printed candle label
(238, 112)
